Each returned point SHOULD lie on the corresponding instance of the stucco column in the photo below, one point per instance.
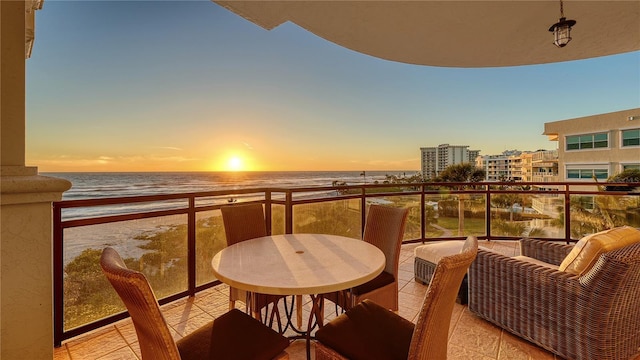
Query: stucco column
(26, 271)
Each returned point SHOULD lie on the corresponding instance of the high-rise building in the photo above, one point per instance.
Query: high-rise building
(436, 159)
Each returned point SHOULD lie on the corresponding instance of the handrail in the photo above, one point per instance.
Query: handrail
(288, 197)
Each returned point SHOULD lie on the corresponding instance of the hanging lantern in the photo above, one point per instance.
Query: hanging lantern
(562, 29)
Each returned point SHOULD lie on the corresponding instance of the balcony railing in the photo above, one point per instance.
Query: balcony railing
(171, 238)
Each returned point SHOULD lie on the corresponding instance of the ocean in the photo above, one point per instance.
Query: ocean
(94, 185)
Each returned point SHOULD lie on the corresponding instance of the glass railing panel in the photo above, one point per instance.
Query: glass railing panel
(431, 205)
(277, 219)
(412, 228)
(460, 215)
(510, 214)
(594, 213)
(547, 218)
(337, 217)
(155, 246)
(210, 239)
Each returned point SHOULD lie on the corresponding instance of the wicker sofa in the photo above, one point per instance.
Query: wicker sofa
(591, 315)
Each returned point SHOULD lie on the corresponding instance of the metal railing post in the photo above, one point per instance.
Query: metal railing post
(268, 210)
(423, 215)
(567, 213)
(288, 213)
(191, 247)
(487, 211)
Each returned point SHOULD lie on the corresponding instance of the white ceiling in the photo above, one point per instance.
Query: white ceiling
(458, 33)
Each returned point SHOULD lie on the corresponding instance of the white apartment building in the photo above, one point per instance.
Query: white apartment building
(436, 159)
(596, 146)
(507, 166)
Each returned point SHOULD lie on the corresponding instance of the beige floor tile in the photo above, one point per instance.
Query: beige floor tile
(410, 301)
(456, 352)
(61, 353)
(414, 288)
(405, 275)
(192, 324)
(478, 334)
(512, 347)
(124, 353)
(180, 311)
(97, 346)
(128, 332)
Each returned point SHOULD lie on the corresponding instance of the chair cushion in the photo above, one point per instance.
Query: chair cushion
(368, 331)
(234, 335)
(379, 281)
(586, 251)
(434, 251)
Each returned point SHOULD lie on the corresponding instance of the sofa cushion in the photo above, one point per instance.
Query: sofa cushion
(586, 251)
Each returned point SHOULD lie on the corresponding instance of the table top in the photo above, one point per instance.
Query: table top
(298, 264)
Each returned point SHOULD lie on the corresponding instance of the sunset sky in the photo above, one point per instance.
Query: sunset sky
(190, 86)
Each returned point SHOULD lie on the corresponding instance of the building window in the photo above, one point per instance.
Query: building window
(631, 137)
(589, 141)
(631, 166)
(587, 173)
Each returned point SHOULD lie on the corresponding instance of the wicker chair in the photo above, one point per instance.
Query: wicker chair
(223, 338)
(369, 331)
(384, 228)
(243, 222)
(595, 315)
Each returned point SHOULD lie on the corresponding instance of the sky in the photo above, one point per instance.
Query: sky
(190, 86)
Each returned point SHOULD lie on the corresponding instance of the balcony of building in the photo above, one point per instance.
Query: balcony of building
(497, 213)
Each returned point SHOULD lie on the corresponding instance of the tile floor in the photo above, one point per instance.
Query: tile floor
(470, 336)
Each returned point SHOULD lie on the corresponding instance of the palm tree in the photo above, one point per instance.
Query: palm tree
(464, 172)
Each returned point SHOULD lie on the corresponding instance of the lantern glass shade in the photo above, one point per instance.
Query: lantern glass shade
(562, 36)
(562, 32)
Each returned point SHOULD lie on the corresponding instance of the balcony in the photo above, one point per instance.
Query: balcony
(470, 337)
(178, 233)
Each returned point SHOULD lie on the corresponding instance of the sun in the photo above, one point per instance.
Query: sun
(235, 163)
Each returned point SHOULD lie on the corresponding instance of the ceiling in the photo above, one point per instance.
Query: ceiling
(454, 33)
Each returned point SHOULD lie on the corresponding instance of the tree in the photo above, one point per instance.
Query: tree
(627, 176)
(464, 172)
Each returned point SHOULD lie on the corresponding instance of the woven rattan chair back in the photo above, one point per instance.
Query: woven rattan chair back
(134, 290)
(430, 337)
(243, 222)
(384, 228)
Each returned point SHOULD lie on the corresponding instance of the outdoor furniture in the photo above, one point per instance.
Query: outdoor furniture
(384, 228)
(369, 331)
(234, 335)
(426, 258)
(579, 302)
(298, 264)
(243, 222)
